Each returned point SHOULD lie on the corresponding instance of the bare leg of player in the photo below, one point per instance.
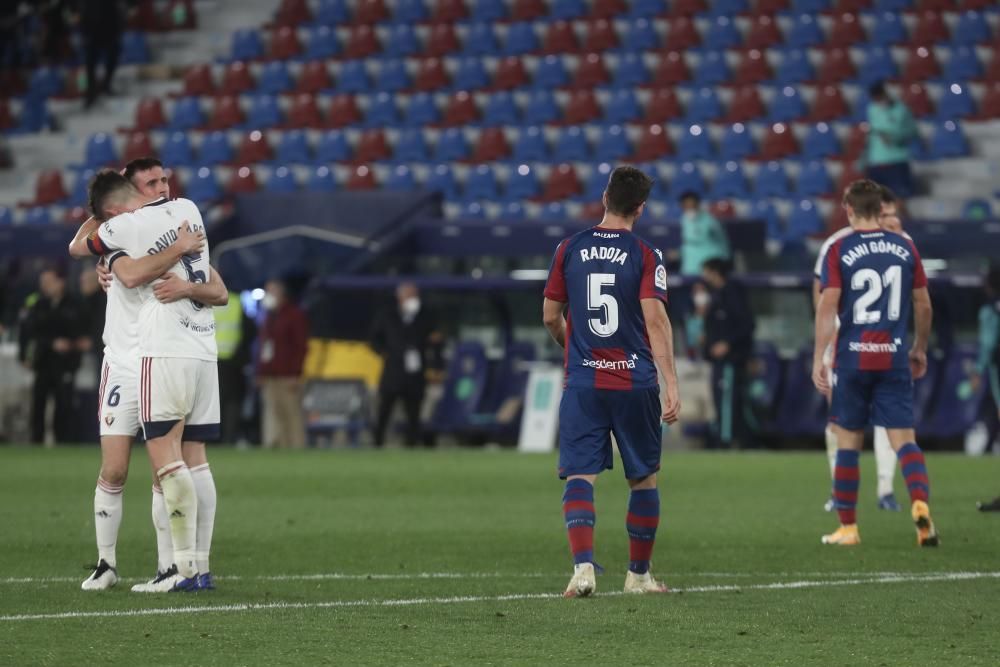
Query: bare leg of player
(846, 477)
(911, 460)
(196, 459)
(115, 450)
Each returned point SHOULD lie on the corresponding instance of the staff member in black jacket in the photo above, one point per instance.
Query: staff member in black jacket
(729, 327)
(402, 335)
(53, 332)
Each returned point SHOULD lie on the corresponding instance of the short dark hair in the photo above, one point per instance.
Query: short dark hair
(105, 184)
(716, 265)
(888, 196)
(877, 90)
(140, 164)
(628, 188)
(689, 194)
(865, 197)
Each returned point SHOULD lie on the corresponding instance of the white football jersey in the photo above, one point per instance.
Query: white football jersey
(121, 323)
(185, 328)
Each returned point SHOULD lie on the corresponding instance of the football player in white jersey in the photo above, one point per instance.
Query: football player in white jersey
(885, 457)
(119, 409)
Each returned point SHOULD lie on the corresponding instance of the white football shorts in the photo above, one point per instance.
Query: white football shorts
(118, 398)
(172, 389)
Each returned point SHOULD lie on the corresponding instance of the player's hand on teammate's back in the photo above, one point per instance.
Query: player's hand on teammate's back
(671, 405)
(918, 363)
(188, 241)
(820, 379)
(171, 287)
(103, 274)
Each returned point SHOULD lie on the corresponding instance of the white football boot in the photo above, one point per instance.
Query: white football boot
(643, 583)
(102, 578)
(583, 583)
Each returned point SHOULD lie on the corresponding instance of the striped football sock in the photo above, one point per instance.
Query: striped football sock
(578, 509)
(911, 460)
(641, 523)
(845, 485)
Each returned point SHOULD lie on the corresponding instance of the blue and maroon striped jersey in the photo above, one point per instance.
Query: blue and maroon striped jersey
(877, 272)
(603, 274)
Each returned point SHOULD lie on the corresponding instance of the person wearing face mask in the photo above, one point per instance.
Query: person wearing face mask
(402, 336)
(281, 353)
(702, 236)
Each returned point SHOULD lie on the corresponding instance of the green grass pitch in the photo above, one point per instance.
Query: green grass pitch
(467, 554)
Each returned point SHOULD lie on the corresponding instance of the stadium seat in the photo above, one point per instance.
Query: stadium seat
(491, 146)
(596, 183)
(921, 64)
(947, 141)
(962, 65)
(915, 97)
(722, 34)
(654, 144)
(704, 106)
(186, 114)
(763, 209)
(343, 112)
(331, 13)
(461, 109)
(6, 118)
(640, 35)
(6, 216)
(682, 34)
(581, 108)
(662, 106)
(567, 10)
(878, 65)
(509, 74)
(612, 144)
(977, 210)
(442, 179)
(778, 143)
(321, 179)
(198, 81)
(972, 28)
(473, 210)
(989, 106)
(550, 74)
(149, 115)
(737, 143)
(333, 147)
(530, 146)
(304, 113)
(571, 146)
(361, 178)
(745, 106)
(889, 30)
(554, 211)
(451, 146)
(521, 40)
(49, 189)
(607, 9)
(810, 6)
(528, 10)
(362, 42)
(753, 68)
(471, 75)
(382, 111)
(930, 29)
(541, 108)
(805, 33)
(253, 149)
(622, 107)
(285, 44)
(292, 13)
(136, 146)
(431, 75)
(321, 44)
(370, 12)
(846, 31)
(264, 112)
(522, 184)
(421, 111)
(688, 7)
(293, 148)
(646, 8)
(410, 12)
(695, 144)
(771, 181)
(313, 78)
(828, 105)
(236, 79)
(729, 7)
(481, 185)
(401, 179)
(488, 11)
(955, 102)
(411, 147)
(202, 187)
(372, 147)
(45, 82)
(671, 70)
(730, 183)
(764, 32)
(38, 216)
(449, 11)
(630, 72)
(481, 41)
(226, 113)
(176, 150)
(794, 68)
(687, 178)
(281, 181)
(393, 76)
(804, 221)
(786, 105)
(500, 109)
(857, 141)
(712, 69)
(99, 151)
(859, 114)
(560, 38)
(134, 49)
(820, 143)
(441, 41)
(79, 195)
(353, 78)
(813, 181)
(246, 45)
(403, 41)
(836, 66)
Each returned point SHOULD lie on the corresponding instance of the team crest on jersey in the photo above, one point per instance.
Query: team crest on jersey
(661, 277)
(109, 419)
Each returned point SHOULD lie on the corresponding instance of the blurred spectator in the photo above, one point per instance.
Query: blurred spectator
(53, 331)
(281, 353)
(694, 324)
(94, 302)
(234, 334)
(102, 23)
(729, 328)
(891, 130)
(702, 236)
(402, 335)
(55, 46)
(988, 364)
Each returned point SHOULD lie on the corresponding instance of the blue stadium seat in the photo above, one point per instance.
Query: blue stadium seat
(442, 179)
(763, 209)
(571, 145)
(382, 111)
(963, 65)
(186, 114)
(80, 192)
(612, 144)
(712, 69)
(203, 187)
(554, 212)
(411, 147)
(264, 112)
(893, 5)
(488, 11)
(176, 151)
(550, 73)
(321, 180)
(522, 183)
(820, 143)
(34, 116)
(451, 146)
(333, 146)
(972, 28)
(38, 215)
(274, 78)
(567, 9)
(640, 35)
(331, 13)
(481, 185)
(730, 183)
(859, 110)
(293, 148)
(596, 182)
(947, 141)
(215, 149)
(813, 180)
(955, 102)
(530, 146)
(521, 39)
(722, 34)
(393, 76)
(470, 75)
(282, 180)
(737, 143)
(630, 72)
(410, 12)
(401, 179)
(353, 78)
(45, 82)
(321, 44)
(481, 41)
(246, 45)
(786, 105)
(977, 209)
(695, 144)
(646, 8)
(729, 7)
(402, 42)
(513, 210)
(877, 65)
(771, 181)
(810, 6)
(541, 108)
(704, 106)
(687, 178)
(804, 221)
(622, 107)
(7, 216)
(99, 151)
(501, 109)
(135, 50)
(421, 111)
(889, 29)
(473, 210)
(794, 68)
(805, 32)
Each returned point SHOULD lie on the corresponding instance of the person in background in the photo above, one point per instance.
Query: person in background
(102, 23)
(988, 363)
(702, 236)
(234, 335)
(281, 353)
(53, 330)
(93, 303)
(401, 335)
(891, 129)
(729, 328)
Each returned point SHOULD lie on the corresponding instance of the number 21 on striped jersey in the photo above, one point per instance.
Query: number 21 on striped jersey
(873, 284)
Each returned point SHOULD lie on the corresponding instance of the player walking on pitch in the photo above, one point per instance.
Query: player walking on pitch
(867, 280)
(613, 287)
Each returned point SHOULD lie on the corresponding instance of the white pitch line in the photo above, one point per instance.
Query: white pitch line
(405, 602)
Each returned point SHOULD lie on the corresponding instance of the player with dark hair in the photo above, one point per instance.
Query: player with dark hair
(867, 280)
(612, 287)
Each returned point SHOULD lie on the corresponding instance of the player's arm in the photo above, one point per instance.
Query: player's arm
(923, 316)
(817, 291)
(174, 288)
(554, 320)
(826, 328)
(661, 341)
(135, 272)
(78, 246)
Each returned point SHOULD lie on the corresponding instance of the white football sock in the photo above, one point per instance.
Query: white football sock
(107, 519)
(204, 484)
(161, 523)
(182, 508)
(831, 447)
(885, 462)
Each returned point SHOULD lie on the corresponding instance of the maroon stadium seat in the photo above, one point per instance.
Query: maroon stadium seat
(372, 147)
(368, 12)
(582, 108)
(856, 142)
(528, 10)
(836, 67)
(778, 143)
(560, 38)
(753, 68)
(174, 181)
(921, 64)
(847, 176)
(431, 75)
(7, 120)
(919, 102)
(562, 183)
(226, 113)
(992, 70)
(236, 79)
(682, 34)
(449, 11)
(138, 145)
(590, 72)
(829, 105)
(361, 43)
(143, 17)
(687, 7)
(304, 113)
(853, 6)
(292, 13)
(601, 36)
(606, 9)
(653, 144)
(937, 5)
(198, 81)
(362, 178)
(722, 210)
(254, 148)
(313, 78)
(343, 112)
(491, 146)
(441, 41)
(662, 107)
(242, 180)
(149, 114)
(671, 71)
(764, 32)
(746, 105)
(49, 189)
(989, 106)
(930, 29)
(846, 31)
(510, 74)
(460, 110)
(771, 6)
(285, 44)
